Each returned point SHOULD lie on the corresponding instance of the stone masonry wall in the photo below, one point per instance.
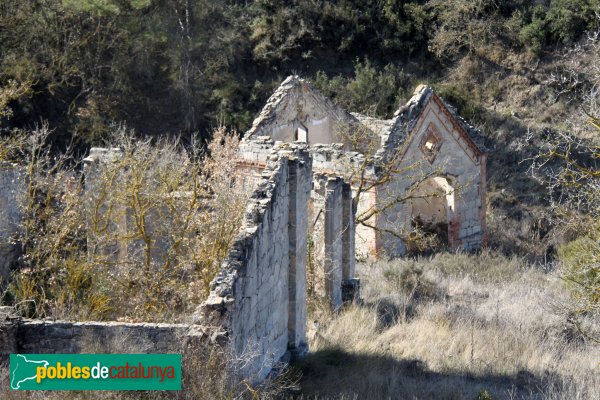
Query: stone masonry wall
(348, 235)
(63, 337)
(300, 181)
(13, 191)
(332, 236)
(296, 104)
(259, 294)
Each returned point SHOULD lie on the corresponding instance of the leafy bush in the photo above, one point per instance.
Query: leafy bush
(568, 19)
(463, 26)
(533, 34)
(562, 21)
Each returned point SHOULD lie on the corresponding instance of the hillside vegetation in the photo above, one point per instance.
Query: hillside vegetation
(182, 66)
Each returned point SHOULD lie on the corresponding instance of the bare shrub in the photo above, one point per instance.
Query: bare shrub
(383, 169)
(140, 241)
(568, 165)
(409, 280)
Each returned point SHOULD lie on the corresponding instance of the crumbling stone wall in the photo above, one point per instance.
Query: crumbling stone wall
(298, 106)
(259, 295)
(13, 192)
(457, 169)
(257, 303)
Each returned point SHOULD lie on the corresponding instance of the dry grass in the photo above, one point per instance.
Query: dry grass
(450, 327)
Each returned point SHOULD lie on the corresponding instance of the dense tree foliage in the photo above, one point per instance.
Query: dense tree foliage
(183, 66)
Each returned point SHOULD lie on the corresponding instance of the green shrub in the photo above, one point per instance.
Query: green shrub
(568, 19)
(581, 260)
(562, 21)
(484, 395)
(533, 34)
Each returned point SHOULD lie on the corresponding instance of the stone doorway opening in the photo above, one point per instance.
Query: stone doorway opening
(432, 213)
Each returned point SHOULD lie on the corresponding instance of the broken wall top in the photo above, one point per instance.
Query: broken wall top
(295, 102)
(286, 104)
(331, 158)
(223, 285)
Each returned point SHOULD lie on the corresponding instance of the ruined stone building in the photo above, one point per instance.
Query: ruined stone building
(257, 305)
(298, 238)
(434, 160)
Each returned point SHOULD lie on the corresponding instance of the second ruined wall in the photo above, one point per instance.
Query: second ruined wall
(332, 255)
(259, 297)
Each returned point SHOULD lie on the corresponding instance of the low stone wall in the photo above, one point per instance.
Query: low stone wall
(258, 149)
(63, 337)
